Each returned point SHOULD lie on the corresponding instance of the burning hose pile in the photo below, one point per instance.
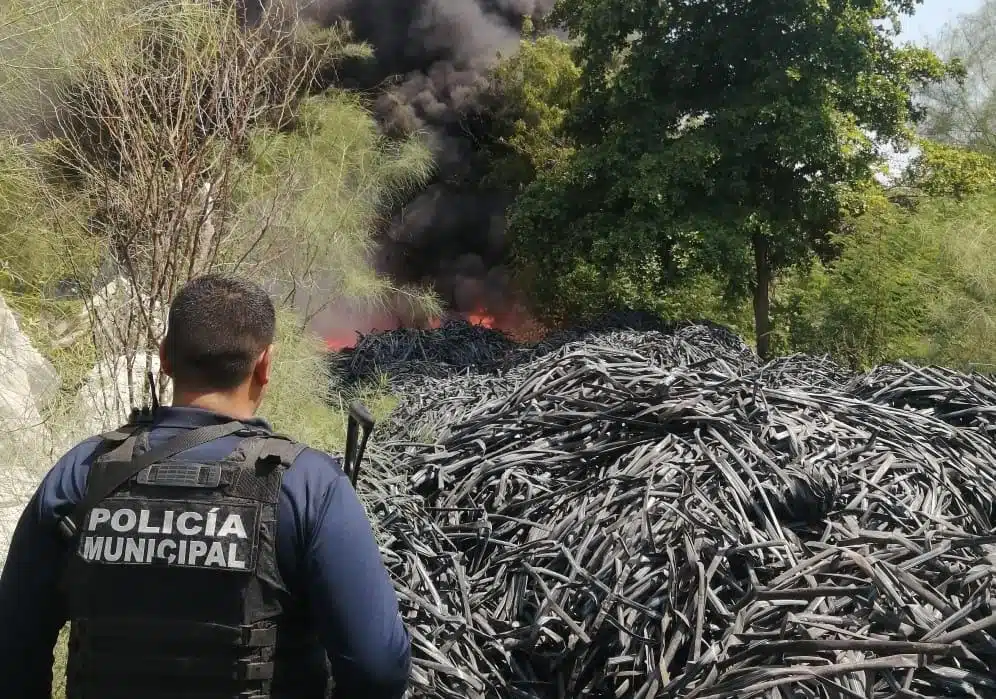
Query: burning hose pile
(657, 514)
(405, 352)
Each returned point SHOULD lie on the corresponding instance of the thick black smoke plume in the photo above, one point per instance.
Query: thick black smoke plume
(430, 73)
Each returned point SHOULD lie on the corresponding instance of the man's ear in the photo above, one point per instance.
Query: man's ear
(263, 366)
(163, 361)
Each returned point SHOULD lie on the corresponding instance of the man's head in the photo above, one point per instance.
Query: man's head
(219, 339)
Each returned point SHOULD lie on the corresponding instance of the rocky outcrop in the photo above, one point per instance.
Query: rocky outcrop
(29, 441)
(24, 371)
(27, 382)
(113, 388)
(116, 317)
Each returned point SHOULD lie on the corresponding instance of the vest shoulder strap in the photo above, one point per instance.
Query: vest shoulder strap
(265, 460)
(114, 437)
(280, 448)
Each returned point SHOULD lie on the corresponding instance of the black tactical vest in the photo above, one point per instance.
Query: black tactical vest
(172, 584)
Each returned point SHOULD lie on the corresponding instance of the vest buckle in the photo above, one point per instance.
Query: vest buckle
(254, 671)
(256, 637)
(67, 528)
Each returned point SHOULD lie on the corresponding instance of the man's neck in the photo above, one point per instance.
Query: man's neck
(228, 404)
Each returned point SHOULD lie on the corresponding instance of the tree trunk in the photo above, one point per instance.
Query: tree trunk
(762, 298)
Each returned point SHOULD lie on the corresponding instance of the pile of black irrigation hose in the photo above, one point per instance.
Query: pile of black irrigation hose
(657, 514)
(455, 345)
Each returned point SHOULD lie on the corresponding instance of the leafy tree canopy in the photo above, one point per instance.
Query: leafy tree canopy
(727, 137)
(950, 171)
(534, 90)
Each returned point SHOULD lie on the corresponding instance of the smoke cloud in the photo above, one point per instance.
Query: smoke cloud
(430, 74)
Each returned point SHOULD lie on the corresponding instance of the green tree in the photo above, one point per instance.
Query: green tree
(872, 303)
(950, 171)
(961, 326)
(178, 141)
(723, 137)
(533, 91)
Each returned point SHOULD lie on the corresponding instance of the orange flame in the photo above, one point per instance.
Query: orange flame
(516, 323)
(481, 318)
(340, 341)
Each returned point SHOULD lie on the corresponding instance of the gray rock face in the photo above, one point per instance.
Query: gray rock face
(29, 443)
(26, 372)
(113, 316)
(112, 388)
(27, 382)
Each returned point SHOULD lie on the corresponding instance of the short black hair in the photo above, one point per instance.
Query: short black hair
(217, 328)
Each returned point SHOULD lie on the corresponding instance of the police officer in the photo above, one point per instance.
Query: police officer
(196, 554)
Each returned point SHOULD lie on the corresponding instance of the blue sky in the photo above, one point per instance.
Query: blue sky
(934, 14)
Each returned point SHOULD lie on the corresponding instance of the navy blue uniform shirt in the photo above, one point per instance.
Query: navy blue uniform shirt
(325, 550)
